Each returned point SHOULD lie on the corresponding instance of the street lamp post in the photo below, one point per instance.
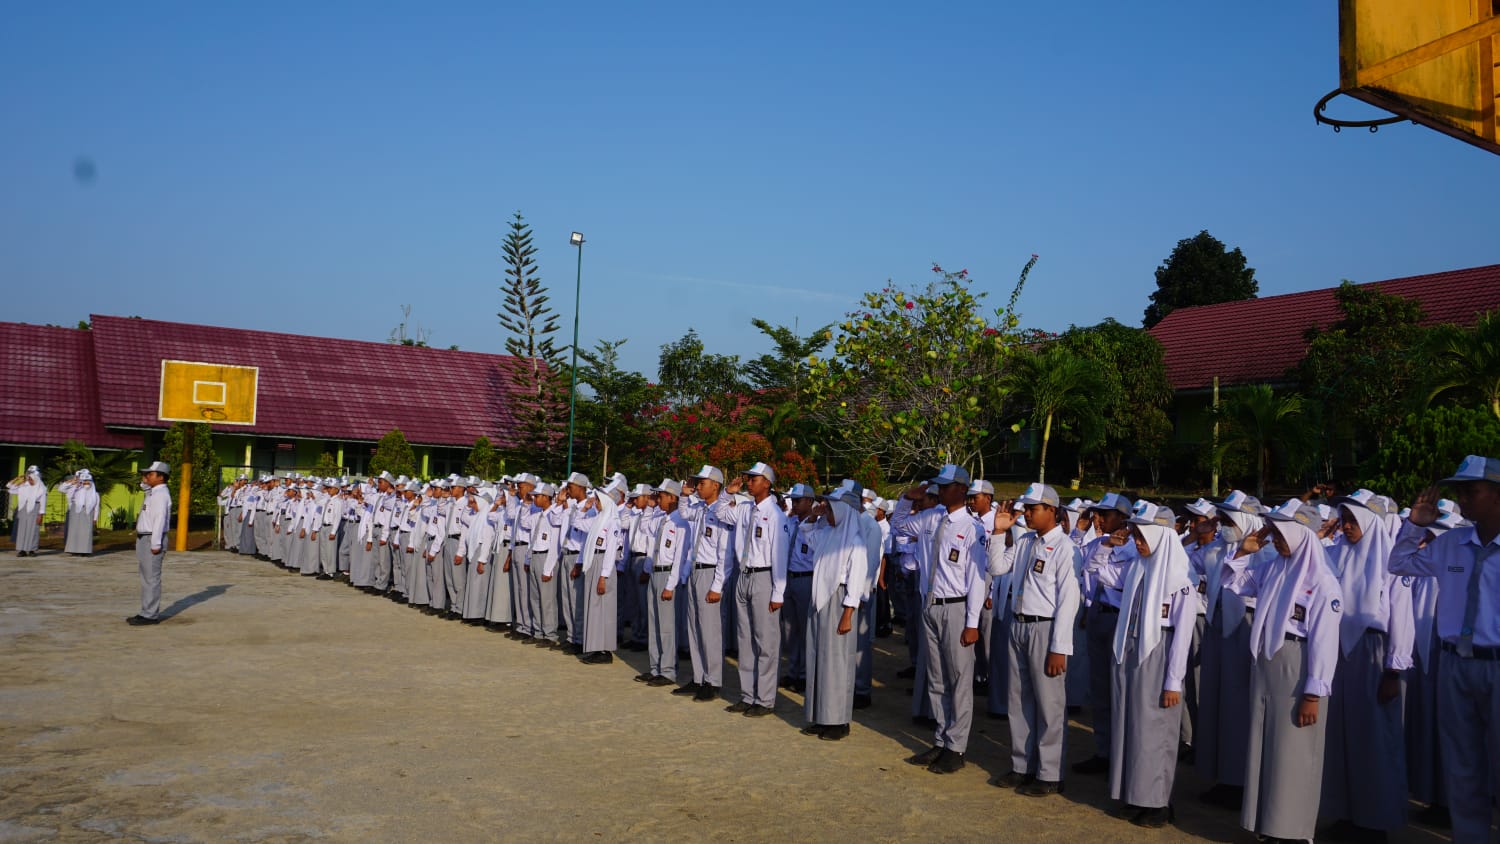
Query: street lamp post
(576, 240)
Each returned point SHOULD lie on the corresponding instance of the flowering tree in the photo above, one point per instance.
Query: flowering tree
(914, 376)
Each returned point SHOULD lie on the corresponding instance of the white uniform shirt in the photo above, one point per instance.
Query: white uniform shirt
(156, 511)
(1450, 559)
(1047, 585)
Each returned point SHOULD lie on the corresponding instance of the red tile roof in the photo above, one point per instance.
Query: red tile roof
(1258, 340)
(47, 380)
(314, 387)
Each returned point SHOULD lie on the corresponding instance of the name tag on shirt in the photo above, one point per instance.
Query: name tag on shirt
(599, 542)
(952, 555)
(708, 531)
(544, 537)
(1165, 609)
(668, 543)
(804, 547)
(1039, 566)
(757, 532)
(1299, 613)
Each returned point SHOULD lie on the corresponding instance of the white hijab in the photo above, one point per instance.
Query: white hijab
(1283, 580)
(841, 543)
(1149, 584)
(1361, 570)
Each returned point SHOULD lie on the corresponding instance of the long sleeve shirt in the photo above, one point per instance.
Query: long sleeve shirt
(952, 556)
(672, 545)
(763, 541)
(1104, 569)
(1314, 616)
(1451, 560)
(1392, 616)
(714, 543)
(1046, 582)
(156, 511)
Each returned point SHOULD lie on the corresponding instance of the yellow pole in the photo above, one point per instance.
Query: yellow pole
(183, 506)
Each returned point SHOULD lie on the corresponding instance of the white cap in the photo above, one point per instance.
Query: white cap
(1476, 468)
(671, 487)
(157, 466)
(951, 474)
(709, 473)
(580, 479)
(1146, 513)
(1040, 494)
(1238, 502)
(982, 487)
(1114, 501)
(762, 470)
(1295, 510)
(544, 489)
(1202, 507)
(801, 491)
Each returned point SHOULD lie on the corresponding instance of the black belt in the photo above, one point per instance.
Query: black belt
(705, 566)
(939, 601)
(454, 535)
(138, 534)
(799, 574)
(1293, 637)
(661, 568)
(519, 544)
(756, 571)
(1480, 651)
(1030, 619)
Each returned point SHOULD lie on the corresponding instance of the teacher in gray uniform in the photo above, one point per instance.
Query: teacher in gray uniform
(151, 541)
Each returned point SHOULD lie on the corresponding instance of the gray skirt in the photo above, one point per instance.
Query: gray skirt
(1143, 734)
(1424, 772)
(600, 629)
(28, 532)
(1223, 703)
(1284, 762)
(1364, 771)
(830, 665)
(80, 530)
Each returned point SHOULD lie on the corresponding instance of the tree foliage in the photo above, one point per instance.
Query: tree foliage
(1055, 385)
(785, 369)
(327, 466)
(1200, 271)
(608, 422)
(483, 461)
(1467, 363)
(109, 468)
(1134, 396)
(1258, 423)
(689, 375)
(192, 442)
(914, 374)
(1427, 445)
(393, 454)
(539, 374)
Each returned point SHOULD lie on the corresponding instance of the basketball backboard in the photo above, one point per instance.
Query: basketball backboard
(1429, 61)
(218, 393)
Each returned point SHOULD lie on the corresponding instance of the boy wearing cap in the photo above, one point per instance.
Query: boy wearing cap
(1105, 560)
(578, 519)
(981, 504)
(670, 550)
(713, 561)
(760, 530)
(1466, 567)
(798, 604)
(951, 556)
(1043, 588)
(539, 538)
(150, 541)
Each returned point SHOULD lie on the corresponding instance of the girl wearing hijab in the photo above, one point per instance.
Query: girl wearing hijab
(30, 495)
(842, 549)
(1295, 643)
(1364, 772)
(83, 512)
(601, 550)
(1151, 643)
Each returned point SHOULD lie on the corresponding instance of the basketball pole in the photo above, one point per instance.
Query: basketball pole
(183, 505)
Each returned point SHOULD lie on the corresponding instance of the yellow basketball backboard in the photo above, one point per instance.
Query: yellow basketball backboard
(1429, 61)
(222, 394)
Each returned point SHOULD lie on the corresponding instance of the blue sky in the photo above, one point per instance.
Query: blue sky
(312, 167)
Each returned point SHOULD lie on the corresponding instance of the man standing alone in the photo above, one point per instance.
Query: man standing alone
(151, 541)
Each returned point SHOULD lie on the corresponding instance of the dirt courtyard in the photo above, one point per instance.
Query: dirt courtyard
(272, 707)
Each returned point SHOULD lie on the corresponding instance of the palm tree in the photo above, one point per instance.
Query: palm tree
(109, 468)
(1257, 421)
(1470, 361)
(1054, 385)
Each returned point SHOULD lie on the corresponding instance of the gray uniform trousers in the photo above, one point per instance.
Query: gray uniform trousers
(328, 550)
(399, 564)
(921, 704)
(728, 609)
(1190, 682)
(1143, 756)
(477, 586)
(310, 545)
(1100, 633)
(950, 673)
(705, 634)
(1364, 766)
(150, 566)
(639, 624)
(291, 549)
(864, 628)
(982, 647)
(437, 592)
(1080, 663)
(629, 596)
(263, 533)
(1221, 739)
(500, 605)
(273, 545)
(230, 528)
(830, 665)
(661, 624)
(794, 614)
(380, 567)
(567, 597)
(246, 531)
(541, 597)
(1038, 704)
(359, 564)
(1468, 700)
(1284, 777)
(1424, 772)
(80, 532)
(453, 576)
(999, 698)
(416, 574)
(600, 628)
(759, 638)
(348, 535)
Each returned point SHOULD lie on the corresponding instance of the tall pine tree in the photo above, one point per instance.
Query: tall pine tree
(540, 402)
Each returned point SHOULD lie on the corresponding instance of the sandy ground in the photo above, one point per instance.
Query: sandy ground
(272, 707)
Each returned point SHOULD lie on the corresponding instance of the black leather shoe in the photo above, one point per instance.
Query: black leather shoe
(1154, 818)
(948, 762)
(141, 621)
(785, 682)
(799, 686)
(1040, 788)
(659, 680)
(571, 649)
(737, 707)
(597, 658)
(643, 678)
(1224, 796)
(834, 732)
(688, 690)
(813, 730)
(1014, 779)
(1092, 765)
(926, 757)
(758, 711)
(706, 693)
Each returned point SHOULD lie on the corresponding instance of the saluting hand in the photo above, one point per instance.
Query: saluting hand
(1005, 518)
(1424, 510)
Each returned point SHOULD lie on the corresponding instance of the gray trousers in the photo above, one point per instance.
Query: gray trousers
(1468, 701)
(275, 544)
(1364, 762)
(246, 530)
(1190, 682)
(567, 597)
(380, 567)
(830, 665)
(262, 530)
(1100, 634)
(999, 699)
(639, 625)
(499, 603)
(1284, 773)
(399, 564)
(1424, 771)
(453, 576)
(230, 528)
(1143, 756)
(864, 628)
(348, 535)
(310, 545)
(437, 592)
(629, 596)
(416, 574)
(328, 552)
(705, 632)
(950, 674)
(982, 647)
(359, 564)
(759, 637)
(1038, 704)
(1224, 704)
(150, 566)
(794, 615)
(661, 626)
(542, 599)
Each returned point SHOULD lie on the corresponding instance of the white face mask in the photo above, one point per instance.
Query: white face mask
(145, 485)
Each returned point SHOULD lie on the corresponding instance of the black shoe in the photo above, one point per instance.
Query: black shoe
(1125, 812)
(643, 678)
(907, 673)
(1040, 788)
(141, 621)
(737, 707)
(1224, 796)
(1154, 818)
(325, 577)
(981, 687)
(732, 653)
(813, 730)
(882, 632)
(548, 645)
(758, 711)
(597, 658)
(1014, 779)
(571, 649)
(706, 693)
(861, 701)
(1092, 765)
(659, 680)
(834, 732)
(528, 640)
(926, 757)
(948, 762)
(690, 689)
(785, 682)
(799, 686)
